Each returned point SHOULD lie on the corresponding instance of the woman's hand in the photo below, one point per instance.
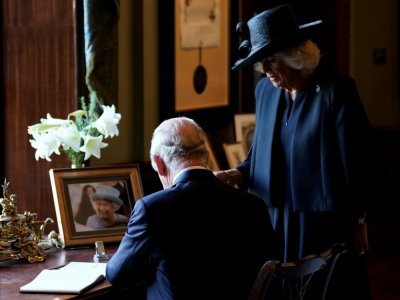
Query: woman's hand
(231, 177)
(361, 238)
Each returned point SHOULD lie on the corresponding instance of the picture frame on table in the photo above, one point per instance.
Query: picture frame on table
(235, 153)
(82, 219)
(244, 129)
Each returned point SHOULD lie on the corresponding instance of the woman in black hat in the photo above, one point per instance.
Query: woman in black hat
(311, 158)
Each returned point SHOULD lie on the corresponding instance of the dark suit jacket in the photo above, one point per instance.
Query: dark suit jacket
(199, 239)
(332, 161)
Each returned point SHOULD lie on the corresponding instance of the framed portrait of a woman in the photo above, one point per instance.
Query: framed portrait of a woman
(94, 203)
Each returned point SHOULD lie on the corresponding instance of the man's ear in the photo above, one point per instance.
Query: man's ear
(160, 165)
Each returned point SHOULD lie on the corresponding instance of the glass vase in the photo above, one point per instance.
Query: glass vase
(74, 166)
(76, 159)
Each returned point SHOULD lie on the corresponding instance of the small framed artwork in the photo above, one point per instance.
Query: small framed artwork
(234, 153)
(212, 161)
(201, 54)
(94, 203)
(244, 129)
(196, 39)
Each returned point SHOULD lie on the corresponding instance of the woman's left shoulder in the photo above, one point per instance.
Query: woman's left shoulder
(344, 80)
(334, 79)
(327, 74)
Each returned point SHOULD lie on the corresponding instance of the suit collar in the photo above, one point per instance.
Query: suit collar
(184, 170)
(193, 173)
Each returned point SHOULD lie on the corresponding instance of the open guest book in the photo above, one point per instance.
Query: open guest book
(73, 278)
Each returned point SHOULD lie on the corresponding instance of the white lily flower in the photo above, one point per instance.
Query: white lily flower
(41, 150)
(35, 128)
(45, 144)
(92, 146)
(47, 124)
(107, 123)
(77, 113)
(70, 137)
(82, 126)
(53, 121)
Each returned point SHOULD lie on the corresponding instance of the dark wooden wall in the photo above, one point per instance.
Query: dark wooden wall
(39, 76)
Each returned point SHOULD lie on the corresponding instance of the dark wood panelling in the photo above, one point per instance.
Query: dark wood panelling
(39, 73)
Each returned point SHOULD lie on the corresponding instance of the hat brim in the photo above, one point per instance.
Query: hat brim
(107, 197)
(276, 45)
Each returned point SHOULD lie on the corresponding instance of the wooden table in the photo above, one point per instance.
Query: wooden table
(16, 273)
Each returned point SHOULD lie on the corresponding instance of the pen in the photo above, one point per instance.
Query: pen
(57, 267)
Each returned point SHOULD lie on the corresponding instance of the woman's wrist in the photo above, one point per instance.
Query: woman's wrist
(230, 177)
(234, 176)
(362, 218)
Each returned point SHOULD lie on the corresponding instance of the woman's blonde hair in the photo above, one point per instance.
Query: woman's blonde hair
(304, 56)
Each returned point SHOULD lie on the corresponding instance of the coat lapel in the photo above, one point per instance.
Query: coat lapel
(267, 106)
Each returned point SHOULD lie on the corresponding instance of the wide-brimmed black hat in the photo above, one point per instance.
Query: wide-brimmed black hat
(270, 32)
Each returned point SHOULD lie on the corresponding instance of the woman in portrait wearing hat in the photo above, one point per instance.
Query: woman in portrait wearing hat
(311, 159)
(107, 202)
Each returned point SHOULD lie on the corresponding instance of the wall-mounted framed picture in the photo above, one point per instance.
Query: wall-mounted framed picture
(244, 129)
(94, 203)
(195, 61)
(234, 153)
(201, 54)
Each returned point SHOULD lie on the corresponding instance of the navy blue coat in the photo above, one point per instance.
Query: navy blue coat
(331, 156)
(199, 239)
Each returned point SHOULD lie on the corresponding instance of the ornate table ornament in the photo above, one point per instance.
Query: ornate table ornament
(22, 235)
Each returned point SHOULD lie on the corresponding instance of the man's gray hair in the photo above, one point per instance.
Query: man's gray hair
(177, 141)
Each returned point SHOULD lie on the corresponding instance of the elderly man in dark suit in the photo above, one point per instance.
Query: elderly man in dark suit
(197, 238)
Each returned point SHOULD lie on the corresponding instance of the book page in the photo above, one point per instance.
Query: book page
(73, 278)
